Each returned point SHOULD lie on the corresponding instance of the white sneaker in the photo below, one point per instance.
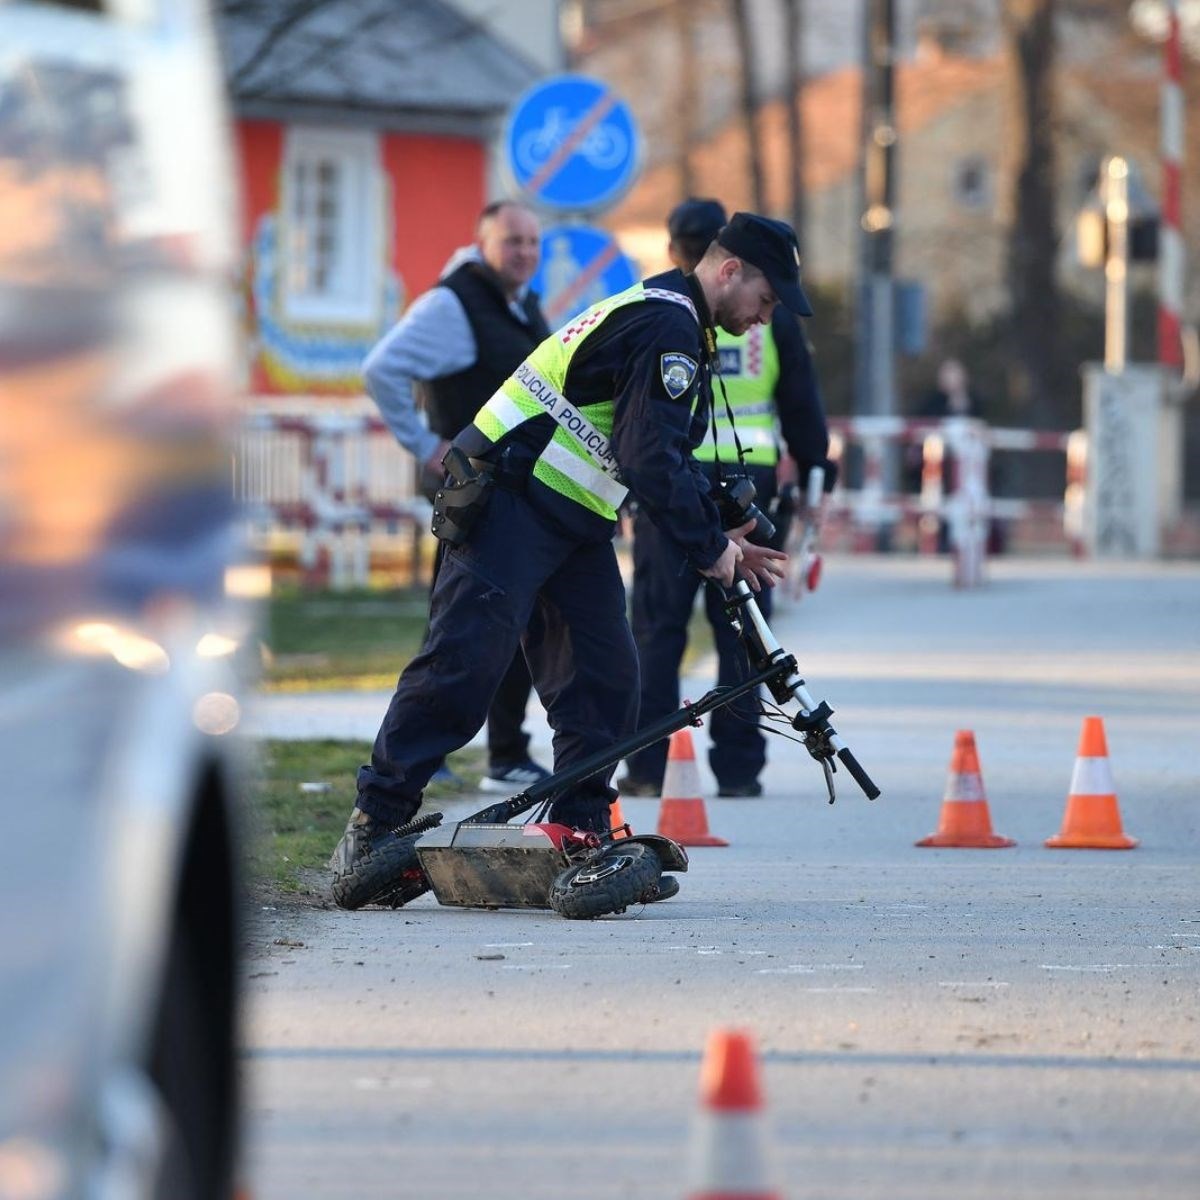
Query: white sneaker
(512, 779)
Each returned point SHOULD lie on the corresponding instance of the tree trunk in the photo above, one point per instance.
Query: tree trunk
(749, 78)
(794, 93)
(1038, 381)
(689, 96)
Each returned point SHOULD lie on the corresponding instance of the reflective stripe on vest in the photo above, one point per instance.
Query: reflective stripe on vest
(750, 371)
(578, 461)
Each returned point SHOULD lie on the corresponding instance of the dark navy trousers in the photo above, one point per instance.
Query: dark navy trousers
(519, 580)
(507, 741)
(664, 593)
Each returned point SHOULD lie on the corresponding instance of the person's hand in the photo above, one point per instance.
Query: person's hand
(725, 566)
(759, 566)
(433, 464)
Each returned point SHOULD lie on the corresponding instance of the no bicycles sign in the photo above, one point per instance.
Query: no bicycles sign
(572, 144)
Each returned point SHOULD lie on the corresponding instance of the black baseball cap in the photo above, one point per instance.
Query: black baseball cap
(696, 218)
(770, 246)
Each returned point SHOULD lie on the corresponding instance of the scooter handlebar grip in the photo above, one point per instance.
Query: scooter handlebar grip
(860, 776)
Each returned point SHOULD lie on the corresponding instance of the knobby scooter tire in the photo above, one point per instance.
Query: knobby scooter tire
(607, 884)
(390, 875)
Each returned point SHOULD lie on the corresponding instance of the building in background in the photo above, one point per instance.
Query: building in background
(363, 130)
(954, 181)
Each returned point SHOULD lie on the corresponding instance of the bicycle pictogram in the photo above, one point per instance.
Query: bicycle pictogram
(604, 147)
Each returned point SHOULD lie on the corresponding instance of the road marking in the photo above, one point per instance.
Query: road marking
(1096, 967)
(372, 1083)
(505, 945)
(808, 968)
(838, 989)
(967, 983)
(642, 1056)
(536, 967)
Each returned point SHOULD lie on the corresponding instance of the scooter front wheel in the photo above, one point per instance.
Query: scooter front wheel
(608, 883)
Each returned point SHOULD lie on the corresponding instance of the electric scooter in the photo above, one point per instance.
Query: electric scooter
(483, 861)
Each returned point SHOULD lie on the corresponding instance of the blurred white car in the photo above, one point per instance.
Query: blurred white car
(118, 703)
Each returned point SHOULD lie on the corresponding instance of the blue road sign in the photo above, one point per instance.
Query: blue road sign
(580, 266)
(572, 144)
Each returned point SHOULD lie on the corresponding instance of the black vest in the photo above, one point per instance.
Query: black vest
(502, 342)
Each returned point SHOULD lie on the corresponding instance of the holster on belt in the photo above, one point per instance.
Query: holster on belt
(463, 496)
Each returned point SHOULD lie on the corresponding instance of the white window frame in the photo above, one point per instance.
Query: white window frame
(351, 292)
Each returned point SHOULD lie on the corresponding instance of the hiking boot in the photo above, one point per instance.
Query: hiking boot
(507, 780)
(748, 787)
(371, 863)
(628, 786)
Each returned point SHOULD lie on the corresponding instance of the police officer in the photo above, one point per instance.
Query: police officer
(461, 340)
(771, 384)
(614, 402)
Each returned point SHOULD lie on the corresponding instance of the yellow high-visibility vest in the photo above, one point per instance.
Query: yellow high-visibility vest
(750, 372)
(577, 461)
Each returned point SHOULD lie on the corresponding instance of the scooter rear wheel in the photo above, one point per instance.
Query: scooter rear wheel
(609, 883)
(390, 875)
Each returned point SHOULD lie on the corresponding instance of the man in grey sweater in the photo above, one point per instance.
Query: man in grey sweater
(458, 342)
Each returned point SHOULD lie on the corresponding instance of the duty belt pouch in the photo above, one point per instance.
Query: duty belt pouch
(463, 495)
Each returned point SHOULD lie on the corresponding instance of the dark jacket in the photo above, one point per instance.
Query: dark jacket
(502, 341)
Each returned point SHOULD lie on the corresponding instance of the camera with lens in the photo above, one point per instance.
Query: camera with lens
(735, 502)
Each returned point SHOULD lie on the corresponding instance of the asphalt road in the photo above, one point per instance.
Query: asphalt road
(932, 1023)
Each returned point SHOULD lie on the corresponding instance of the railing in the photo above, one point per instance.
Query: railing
(954, 457)
(332, 489)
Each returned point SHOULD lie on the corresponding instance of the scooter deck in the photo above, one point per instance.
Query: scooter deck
(491, 866)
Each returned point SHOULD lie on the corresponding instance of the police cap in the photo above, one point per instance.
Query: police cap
(696, 218)
(770, 246)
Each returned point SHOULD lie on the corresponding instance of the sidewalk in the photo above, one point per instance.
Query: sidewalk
(356, 715)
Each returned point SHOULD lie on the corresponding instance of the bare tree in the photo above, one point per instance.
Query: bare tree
(1033, 239)
(794, 93)
(689, 96)
(749, 79)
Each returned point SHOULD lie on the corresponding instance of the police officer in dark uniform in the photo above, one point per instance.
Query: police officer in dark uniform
(458, 342)
(771, 385)
(614, 402)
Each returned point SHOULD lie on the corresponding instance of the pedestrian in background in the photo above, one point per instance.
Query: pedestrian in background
(612, 403)
(458, 342)
(771, 384)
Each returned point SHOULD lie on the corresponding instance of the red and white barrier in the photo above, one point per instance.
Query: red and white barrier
(965, 506)
(332, 482)
(1171, 245)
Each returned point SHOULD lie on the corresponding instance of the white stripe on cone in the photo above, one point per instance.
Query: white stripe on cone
(729, 1157)
(1092, 777)
(681, 780)
(964, 786)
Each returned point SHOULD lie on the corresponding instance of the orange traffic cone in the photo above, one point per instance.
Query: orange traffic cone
(1092, 820)
(965, 820)
(729, 1159)
(616, 819)
(681, 816)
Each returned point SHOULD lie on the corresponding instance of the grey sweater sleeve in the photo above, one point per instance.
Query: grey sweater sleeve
(432, 339)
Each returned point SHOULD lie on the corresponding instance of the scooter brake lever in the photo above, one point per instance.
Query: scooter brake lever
(827, 766)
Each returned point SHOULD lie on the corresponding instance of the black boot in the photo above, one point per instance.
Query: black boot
(373, 864)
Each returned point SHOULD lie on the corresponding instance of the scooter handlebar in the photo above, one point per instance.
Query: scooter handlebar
(860, 776)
